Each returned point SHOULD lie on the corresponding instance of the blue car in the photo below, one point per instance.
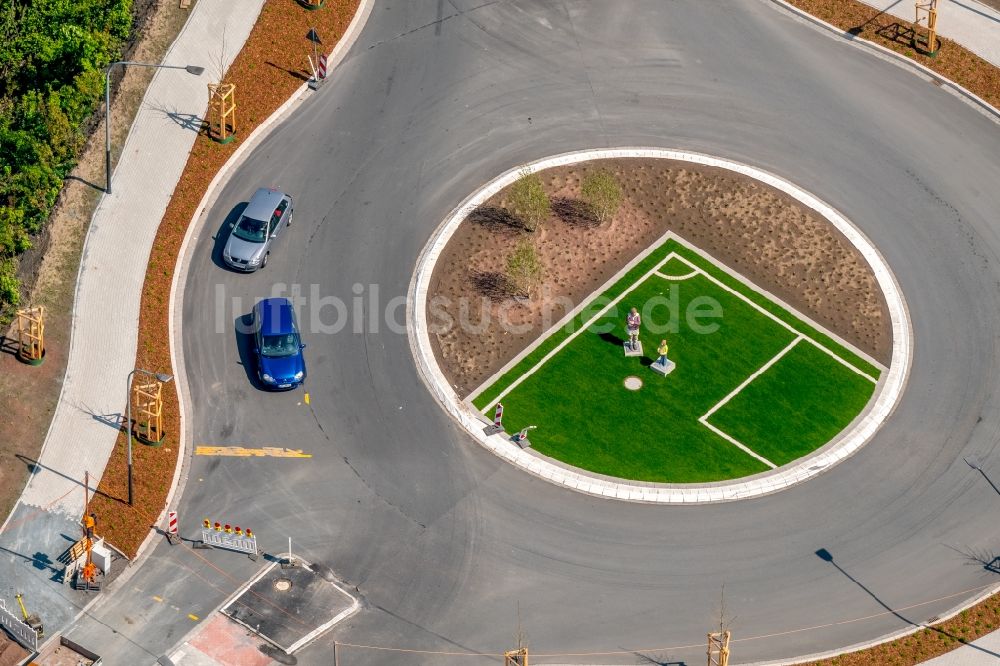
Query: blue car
(277, 345)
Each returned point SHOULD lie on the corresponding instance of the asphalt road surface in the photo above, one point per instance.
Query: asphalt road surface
(448, 547)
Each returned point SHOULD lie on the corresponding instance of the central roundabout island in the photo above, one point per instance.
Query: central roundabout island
(659, 326)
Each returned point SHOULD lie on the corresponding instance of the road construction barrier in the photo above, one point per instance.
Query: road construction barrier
(498, 415)
(225, 536)
(322, 66)
(21, 632)
(171, 522)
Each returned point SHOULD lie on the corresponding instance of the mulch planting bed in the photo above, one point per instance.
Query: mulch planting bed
(781, 245)
(271, 66)
(952, 60)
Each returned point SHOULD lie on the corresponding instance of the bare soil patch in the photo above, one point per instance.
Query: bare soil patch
(781, 245)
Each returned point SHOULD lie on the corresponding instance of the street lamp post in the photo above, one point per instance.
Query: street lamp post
(190, 69)
(160, 377)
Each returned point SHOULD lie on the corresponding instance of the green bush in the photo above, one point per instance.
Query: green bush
(524, 268)
(528, 200)
(602, 191)
(52, 57)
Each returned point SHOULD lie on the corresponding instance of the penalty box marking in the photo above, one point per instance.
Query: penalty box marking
(732, 394)
(780, 321)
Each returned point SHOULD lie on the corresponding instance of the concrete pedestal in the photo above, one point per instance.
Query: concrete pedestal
(663, 369)
(632, 352)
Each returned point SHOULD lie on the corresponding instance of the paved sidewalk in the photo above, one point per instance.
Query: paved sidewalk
(84, 427)
(968, 22)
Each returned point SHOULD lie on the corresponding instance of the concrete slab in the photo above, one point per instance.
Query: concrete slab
(288, 607)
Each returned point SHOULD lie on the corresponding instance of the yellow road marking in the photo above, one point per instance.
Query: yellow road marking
(156, 598)
(243, 452)
(193, 617)
(307, 398)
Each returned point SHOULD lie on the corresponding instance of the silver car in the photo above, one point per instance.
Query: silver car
(249, 244)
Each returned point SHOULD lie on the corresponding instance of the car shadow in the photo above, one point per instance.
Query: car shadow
(222, 235)
(243, 330)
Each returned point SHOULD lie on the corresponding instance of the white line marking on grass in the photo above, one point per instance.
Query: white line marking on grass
(732, 394)
(572, 336)
(737, 444)
(677, 278)
(777, 319)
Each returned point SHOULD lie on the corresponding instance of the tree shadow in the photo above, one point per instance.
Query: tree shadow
(300, 75)
(8, 345)
(896, 32)
(496, 219)
(494, 285)
(116, 421)
(658, 660)
(858, 29)
(987, 559)
(188, 121)
(222, 235)
(825, 555)
(575, 212)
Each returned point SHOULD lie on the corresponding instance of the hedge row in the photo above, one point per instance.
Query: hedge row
(52, 57)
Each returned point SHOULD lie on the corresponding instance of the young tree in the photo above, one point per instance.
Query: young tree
(524, 268)
(528, 200)
(603, 193)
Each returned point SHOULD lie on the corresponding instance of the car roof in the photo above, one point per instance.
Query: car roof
(276, 316)
(263, 202)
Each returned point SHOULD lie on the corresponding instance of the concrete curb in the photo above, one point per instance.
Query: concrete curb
(966, 95)
(863, 429)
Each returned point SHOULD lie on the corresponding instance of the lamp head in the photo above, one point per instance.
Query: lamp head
(163, 377)
(194, 69)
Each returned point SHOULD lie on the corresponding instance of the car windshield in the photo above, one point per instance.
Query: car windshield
(251, 230)
(280, 345)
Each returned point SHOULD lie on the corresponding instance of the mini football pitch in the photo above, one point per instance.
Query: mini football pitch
(756, 385)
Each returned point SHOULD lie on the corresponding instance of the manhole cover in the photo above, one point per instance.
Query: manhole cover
(282, 585)
(633, 383)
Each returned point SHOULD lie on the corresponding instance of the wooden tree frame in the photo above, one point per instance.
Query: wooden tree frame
(926, 12)
(222, 111)
(148, 403)
(718, 648)
(518, 657)
(31, 334)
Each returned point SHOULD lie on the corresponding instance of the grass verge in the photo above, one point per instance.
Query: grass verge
(269, 68)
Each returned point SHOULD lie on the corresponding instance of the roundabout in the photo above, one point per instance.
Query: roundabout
(449, 546)
(641, 451)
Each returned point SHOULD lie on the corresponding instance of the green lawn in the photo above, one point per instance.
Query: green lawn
(798, 405)
(588, 419)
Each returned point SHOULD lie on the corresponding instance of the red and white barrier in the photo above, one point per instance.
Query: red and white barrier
(171, 522)
(322, 66)
(498, 415)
